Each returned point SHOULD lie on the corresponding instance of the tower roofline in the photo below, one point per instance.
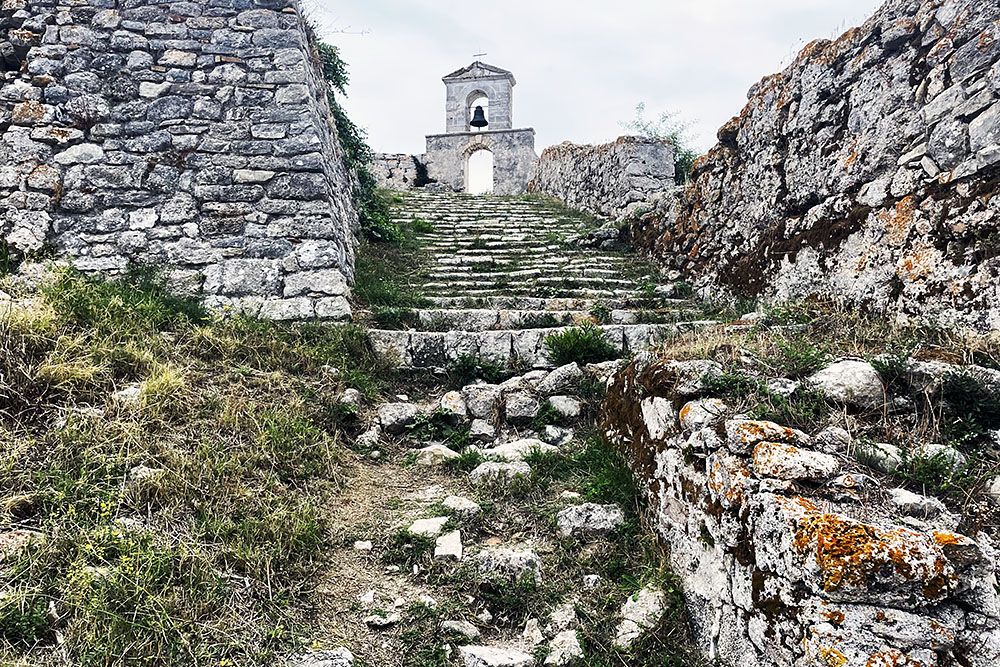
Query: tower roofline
(468, 73)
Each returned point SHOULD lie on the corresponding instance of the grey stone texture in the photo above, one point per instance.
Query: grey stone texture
(395, 171)
(866, 171)
(785, 560)
(194, 136)
(617, 180)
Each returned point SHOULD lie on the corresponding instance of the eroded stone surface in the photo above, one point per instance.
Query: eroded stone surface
(789, 555)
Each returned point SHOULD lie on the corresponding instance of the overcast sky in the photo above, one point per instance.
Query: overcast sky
(581, 65)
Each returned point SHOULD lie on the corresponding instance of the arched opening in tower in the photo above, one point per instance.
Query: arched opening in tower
(479, 172)
(477, 100)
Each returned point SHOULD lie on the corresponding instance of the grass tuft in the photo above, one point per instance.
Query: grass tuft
(584, 344)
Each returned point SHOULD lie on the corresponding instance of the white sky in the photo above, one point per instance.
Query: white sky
(581, 65)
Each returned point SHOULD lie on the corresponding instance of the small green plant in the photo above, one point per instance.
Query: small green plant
(541, 321)
(23, 620)
(468, 368)
(798, 357)
(9, 259)
(683, 290)
(804, 408)
(421, 226)
(936, 474)
(391, 317)
(601, 313)
(405, 549)
(584, 344)
(970, 410)
(468, 460)
(439, 427)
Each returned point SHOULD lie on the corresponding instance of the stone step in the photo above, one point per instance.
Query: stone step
(432, 349)
(448, 272)
(515, 302)
(486, 281)
(485, 319)
(534, 290)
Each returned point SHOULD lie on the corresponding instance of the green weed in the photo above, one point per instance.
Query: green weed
(584, 344)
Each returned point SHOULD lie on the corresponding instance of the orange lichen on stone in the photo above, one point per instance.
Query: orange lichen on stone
(31, 110)
(891, 658)
(919, 264)
(832, 657)
(850, 554)
(836, 617)
(944, 537)
(898, 222)
(728, 482)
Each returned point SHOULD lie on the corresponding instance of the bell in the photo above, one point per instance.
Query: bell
(479, 118)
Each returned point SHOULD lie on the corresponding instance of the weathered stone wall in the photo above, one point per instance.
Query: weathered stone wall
(788, 553)
(868, 170)
(513, 158)
(193, 135)
(615, 180)
(398, 171)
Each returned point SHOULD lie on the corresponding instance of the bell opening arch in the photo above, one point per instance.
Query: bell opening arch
(476, 98)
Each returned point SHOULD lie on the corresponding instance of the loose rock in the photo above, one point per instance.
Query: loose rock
(640, 612)
(395, 417)
(493, 656)
(449, 546)
(428, 527)
(562, 380)
(589, 520)
(518, 450)
(435, 455)
(851, 382)
(499, 473)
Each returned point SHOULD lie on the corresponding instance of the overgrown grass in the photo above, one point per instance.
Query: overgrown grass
(386, 279)
(584, 344)
(182, 528)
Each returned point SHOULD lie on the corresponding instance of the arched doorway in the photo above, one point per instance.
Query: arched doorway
(479, 172)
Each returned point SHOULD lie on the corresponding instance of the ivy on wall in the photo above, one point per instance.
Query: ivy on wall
(373, 205)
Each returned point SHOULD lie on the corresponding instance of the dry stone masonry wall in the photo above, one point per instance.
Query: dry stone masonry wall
(191, 135)
(788, 552)
(867, 170)
(615, 180)
(398, 171)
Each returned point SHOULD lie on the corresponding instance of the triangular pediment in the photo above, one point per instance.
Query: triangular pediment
(479, 70)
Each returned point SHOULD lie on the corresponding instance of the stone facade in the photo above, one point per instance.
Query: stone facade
(867, 171)
(396, 171)
(513, 158)
(791, 556)
(191, 135)
(513, 150)
(615, 180)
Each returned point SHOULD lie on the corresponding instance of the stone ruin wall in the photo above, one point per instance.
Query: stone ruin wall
(868, 171)
(789, 554)
(616, 180)
(398, 171)
(190, 135)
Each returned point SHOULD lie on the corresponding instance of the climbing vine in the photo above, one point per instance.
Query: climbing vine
(373, 206)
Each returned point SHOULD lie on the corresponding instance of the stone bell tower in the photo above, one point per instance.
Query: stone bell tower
(513, 150)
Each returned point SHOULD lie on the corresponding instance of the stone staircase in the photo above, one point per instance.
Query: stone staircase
(503, 273)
